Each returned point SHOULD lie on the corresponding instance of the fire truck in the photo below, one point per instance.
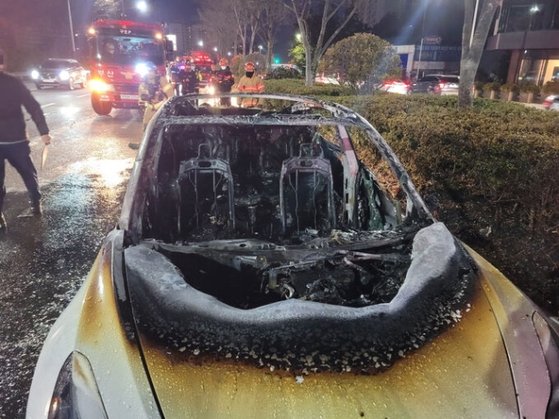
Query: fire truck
(120, 53)
(203, 63)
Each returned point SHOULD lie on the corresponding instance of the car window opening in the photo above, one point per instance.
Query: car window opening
(283, 184)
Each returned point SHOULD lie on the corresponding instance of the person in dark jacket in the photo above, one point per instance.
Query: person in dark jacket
(188, 79)
(224, 79)
(14, 145)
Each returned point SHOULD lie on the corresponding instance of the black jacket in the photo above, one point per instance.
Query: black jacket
(224, 79)
(14, 95)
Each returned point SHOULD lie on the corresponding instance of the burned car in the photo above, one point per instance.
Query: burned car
(277, 261)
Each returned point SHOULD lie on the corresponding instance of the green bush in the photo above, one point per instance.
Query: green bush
(493, 86)
(362, 59)
(529, 87)
(494, 152)
(510, 87)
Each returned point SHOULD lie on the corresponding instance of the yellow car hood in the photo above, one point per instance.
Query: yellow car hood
(464, 372)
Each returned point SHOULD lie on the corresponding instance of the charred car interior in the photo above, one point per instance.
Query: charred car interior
(262, 237)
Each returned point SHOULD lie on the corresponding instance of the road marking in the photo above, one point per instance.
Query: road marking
(48, 104)
(84, 95)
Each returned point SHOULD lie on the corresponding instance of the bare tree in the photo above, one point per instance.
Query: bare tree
(240, 14)
(273, 14)
(103, 9)
(330, 11)
(218, 19)
(247, 15)
(478, 16)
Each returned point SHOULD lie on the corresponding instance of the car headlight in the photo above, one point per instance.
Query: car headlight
(64, 75)
(142, 69)
(75, 392)
(35, 74)
(100, 86)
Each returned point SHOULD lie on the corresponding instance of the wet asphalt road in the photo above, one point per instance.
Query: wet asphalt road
(44, 261)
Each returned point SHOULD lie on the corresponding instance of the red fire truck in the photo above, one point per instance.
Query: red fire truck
(203, 62)
(120, 52)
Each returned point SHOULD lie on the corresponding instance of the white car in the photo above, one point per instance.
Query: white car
(401, 87)
(259, 269)
(323, 79)
(551, 103)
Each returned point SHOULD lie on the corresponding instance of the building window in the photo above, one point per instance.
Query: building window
(519, 16)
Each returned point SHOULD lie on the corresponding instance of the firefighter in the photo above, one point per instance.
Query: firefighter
(188, 79)
(174, 73)
(249, 83)
(153, 92)
(224, 80)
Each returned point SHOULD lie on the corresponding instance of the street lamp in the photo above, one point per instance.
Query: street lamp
(200, 43)
(142, 6)
(298, 37)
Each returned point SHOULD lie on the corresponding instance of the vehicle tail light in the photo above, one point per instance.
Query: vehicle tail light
(442, 86)
(547, 104)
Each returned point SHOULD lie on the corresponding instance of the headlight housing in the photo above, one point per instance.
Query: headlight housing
(549, 341)
(35, 74)
(75, 393)
(64, 75)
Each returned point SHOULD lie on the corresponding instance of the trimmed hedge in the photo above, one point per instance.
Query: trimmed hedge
(494, 166)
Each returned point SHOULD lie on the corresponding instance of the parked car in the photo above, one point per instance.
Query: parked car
(402, 87)
(324, 79)
(60, 72)
(551, 103)
(436, 84)
(284, 71)
(260, 269)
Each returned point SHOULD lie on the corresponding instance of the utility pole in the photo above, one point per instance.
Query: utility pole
(71, 27)
(421, 43)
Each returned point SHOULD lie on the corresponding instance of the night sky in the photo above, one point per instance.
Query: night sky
(176, 11)
(171, 11)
